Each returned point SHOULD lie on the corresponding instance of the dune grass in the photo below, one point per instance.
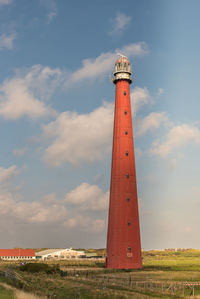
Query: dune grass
(5, 293)
(172, 261)
(90, 279)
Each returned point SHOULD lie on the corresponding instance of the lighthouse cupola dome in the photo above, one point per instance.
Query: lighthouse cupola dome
(122, 69)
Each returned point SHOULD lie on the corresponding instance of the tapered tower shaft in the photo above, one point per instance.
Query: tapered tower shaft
(123, 238)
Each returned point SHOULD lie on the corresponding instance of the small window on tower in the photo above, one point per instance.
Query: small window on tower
(129, 249)
(126, 132)
(127, 175)
(125, 112)
(126, 153)
(129, 223)
(128, 199)
(125, 93)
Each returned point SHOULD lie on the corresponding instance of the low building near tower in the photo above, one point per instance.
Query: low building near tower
(60, 254)
(17, 254)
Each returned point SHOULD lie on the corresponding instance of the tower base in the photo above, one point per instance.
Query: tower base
(123, 265)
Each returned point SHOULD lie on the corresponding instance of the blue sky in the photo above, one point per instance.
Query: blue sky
(56, 117)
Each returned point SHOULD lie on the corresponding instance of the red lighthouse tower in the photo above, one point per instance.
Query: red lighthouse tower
(123, 238)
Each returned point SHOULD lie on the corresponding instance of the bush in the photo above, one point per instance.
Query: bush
(40, 267)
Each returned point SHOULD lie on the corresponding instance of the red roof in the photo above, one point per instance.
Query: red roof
(17, 252)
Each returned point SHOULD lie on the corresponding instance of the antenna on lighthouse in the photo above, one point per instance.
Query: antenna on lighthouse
(121, 55)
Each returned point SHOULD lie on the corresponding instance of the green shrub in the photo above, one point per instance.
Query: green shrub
(40, 267)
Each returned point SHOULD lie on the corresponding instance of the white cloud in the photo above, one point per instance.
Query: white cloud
(43, 81)
(32, 212)
(85, 223)
(24, 94)
(48, 217)
(51, 7)
(139, 97)
(88, 197)
(120, 23)
(172, 164)
(160, 91)
(16, 101)
(19, 152)
(73, 212)
(93, 68)
(51, 16)
(188, 229)
(6, 174)
(42, 213)
(79, 137)
(7, 41)
(5, 2)
(150, 122)
(177, 137)
(92, 132)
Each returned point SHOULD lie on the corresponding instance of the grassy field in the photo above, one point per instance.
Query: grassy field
(6, 294)
(165, 274)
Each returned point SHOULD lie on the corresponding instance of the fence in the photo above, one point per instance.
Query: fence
(112, 280)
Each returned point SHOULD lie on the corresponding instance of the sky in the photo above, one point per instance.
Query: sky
(56, 119)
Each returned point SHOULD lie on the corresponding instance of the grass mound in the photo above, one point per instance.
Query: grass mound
(5, 293)
(40, 267)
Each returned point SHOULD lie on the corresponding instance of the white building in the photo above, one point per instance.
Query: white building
(59, 254)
